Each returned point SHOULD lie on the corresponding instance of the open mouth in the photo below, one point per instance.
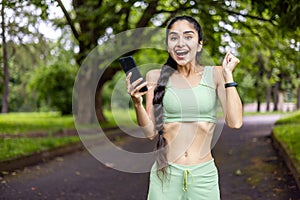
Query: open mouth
(181, 52)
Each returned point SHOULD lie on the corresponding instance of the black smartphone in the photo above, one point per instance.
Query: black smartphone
(129, 65)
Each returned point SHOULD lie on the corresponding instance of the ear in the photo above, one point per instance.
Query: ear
(199, 46)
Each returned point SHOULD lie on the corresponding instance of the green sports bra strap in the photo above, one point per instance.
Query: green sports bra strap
(208, 76)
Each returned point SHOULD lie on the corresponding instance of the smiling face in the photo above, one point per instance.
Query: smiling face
(183, 43)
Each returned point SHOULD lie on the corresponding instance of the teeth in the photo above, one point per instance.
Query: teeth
(180, 53)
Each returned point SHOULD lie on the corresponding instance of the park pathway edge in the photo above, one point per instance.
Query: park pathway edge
(290, 162)
(42, 156)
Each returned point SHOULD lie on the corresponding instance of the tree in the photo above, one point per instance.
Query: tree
(269, 37)
(25, 48)
(5, 60)
(53, 84)
(93, 22)
(24, 59)
(89, 22)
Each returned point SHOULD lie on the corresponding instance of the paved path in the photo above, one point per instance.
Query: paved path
(249, 170)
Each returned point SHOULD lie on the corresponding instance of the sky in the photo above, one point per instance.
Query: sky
(55, 12)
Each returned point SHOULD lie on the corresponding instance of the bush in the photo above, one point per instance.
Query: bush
(53, 86)
(287, 131)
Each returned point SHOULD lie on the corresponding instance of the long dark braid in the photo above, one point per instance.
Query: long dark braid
(167, 70)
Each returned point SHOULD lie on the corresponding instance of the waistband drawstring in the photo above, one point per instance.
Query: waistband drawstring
(185, 179)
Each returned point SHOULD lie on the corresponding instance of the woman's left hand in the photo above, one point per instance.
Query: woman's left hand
(229, 62)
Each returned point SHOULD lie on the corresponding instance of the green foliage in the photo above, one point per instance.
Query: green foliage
(293, 118)
(17, 123)
(50, 122)
(282, 13)
(17, 147)
(264, 113)
(287, 131)
(53, 85)
(264, 35)
(25, 123)
(290, 136)
(267, 55)
(23, 60)
(119, 117)
(117, 86)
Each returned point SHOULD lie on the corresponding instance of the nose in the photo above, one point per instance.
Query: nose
(180, 42)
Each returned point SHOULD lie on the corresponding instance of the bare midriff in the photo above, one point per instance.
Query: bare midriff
(189, 143)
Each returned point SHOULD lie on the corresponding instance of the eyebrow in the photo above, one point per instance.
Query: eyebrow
(185, 32)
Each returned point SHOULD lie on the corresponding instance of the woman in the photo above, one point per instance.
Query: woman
(181, 110)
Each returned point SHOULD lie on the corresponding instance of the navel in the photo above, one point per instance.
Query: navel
(186, 154)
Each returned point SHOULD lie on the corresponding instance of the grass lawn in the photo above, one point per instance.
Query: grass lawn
(16, 123)
(16, 147)
(47, 122)
(25, 123)
(287, 131)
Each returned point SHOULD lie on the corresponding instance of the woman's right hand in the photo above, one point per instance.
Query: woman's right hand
(133, 89)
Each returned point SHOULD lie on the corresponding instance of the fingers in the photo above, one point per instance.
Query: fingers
(135, 83)
(128, 77)
(227, 56)
(141, 86)
(230, 58)
(149, 88)
(134, 88)
(138, 81)
(234, 60)
(131, 86)
(137, 89)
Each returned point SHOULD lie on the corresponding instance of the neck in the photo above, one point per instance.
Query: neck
(188, 69)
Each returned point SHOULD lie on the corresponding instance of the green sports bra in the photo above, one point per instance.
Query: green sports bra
(198, 103)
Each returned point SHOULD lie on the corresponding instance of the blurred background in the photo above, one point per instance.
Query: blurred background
(43, 44)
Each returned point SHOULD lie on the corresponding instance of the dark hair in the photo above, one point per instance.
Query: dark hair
(167, 70)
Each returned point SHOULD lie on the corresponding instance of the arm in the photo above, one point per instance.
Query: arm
(145, 117)
(229, 97)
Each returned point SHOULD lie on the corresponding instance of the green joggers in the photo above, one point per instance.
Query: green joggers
(186, 182)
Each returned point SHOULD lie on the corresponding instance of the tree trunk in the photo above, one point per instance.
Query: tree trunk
(258, 105)
(280, 101)
(5, 62)
(87, 43)
(83, 97)
(275, 96)
(98, 103)
(260, 63)
(298, 97)
(268, 98)
(106, 76)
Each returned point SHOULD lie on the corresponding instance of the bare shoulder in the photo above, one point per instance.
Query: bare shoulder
(153, 75)
(217, 72)
(218, 68)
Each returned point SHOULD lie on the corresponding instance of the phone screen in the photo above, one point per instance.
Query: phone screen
(129, 65)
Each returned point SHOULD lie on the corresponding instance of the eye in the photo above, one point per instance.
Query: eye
(173, 38)
(188, 37)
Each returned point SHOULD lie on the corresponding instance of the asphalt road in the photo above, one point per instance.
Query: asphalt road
(249, 168)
